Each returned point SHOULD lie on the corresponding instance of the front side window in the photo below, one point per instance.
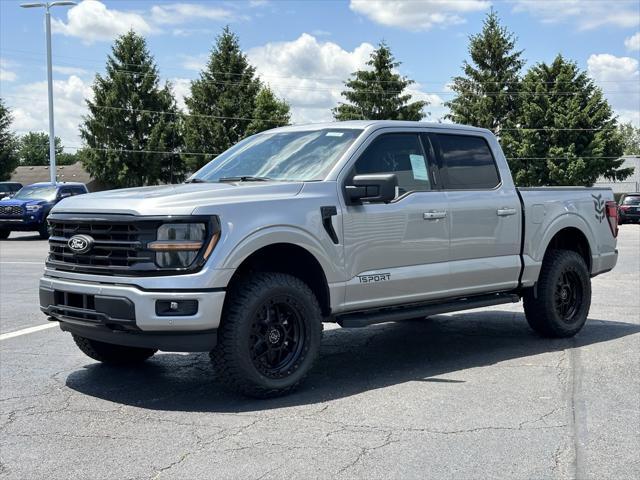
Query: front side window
(33, 192)
(469, 163)
(400, 154)
(286, 156)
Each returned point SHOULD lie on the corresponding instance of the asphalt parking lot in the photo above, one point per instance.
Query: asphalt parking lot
(466, 396)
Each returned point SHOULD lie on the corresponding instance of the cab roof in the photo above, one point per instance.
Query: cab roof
(58, 184)
(363, 124)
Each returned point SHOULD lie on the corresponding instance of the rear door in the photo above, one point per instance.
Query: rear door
(485, 216)
(397, 252)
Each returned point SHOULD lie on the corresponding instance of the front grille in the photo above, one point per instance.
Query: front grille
(11, 210)
(119, 244)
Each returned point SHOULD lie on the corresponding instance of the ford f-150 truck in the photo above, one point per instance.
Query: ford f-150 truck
(355, 223)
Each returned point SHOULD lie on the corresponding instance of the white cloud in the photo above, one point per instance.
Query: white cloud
(633, 42)
(417, 14)
(29, 107)
(586, 14)
(69, 70)
(310, 74)
(7, 75)
(92, 21)
(177, 13)
(619, 78)
(195, 62)
(181, 90)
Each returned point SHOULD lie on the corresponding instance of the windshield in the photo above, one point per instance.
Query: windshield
(287, 156)
(635, 200)
(47, 193)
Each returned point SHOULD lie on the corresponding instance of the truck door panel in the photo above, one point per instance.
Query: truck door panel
(393, 252)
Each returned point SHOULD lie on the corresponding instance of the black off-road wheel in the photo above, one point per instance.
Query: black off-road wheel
(558, 306)
(4, 233)
(269, 337)
(112, 354)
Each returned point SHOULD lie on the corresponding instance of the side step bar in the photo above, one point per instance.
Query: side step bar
(395, 314)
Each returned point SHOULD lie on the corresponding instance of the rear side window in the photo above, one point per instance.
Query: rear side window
(77, 190)
(469, 163)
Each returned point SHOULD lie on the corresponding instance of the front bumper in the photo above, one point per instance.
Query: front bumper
(126, 314)
(25, 223)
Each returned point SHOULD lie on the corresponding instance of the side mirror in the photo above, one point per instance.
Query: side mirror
(372, 188)
(64, 195)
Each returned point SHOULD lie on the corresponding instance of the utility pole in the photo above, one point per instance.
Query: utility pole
(52, 137)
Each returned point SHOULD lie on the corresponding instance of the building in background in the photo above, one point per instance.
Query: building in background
(29, 174)
(631, 184)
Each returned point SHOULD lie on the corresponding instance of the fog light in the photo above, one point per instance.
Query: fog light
(176, 308)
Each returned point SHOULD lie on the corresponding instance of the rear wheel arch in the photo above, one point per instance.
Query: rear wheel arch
(573, 239)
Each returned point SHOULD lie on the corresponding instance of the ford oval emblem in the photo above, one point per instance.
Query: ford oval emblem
(80, 243)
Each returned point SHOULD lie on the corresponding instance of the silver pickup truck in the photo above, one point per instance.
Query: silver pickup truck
(355, 223)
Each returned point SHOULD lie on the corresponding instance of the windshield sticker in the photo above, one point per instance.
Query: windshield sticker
(419, 167)
(334, 134)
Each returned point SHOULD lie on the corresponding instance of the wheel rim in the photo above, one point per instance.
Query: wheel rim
(568, 296)
(276, 342)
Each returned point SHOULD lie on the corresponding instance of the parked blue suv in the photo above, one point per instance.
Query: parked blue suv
(28, 209)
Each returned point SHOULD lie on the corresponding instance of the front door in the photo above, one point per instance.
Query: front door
(397, 252)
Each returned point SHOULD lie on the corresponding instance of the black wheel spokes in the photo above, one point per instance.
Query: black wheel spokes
(275, 341)
(568, 295)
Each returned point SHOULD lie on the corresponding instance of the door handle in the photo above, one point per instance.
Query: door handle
(434, 215)
(506, 211)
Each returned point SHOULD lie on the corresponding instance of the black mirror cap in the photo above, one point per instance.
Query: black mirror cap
(372, 188)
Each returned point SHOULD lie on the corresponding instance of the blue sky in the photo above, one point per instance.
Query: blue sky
(304, 49)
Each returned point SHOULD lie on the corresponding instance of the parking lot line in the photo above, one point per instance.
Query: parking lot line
(25, 331)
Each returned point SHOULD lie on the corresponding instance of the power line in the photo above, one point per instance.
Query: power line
(296, 78)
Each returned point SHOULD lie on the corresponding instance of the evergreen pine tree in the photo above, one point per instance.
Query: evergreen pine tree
(379, 93)
(487, 94)
(222, 101)
(8, 156)
(269, 112)
(568, 134)
(132, 129)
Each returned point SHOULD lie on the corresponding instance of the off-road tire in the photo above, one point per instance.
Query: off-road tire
(4, 233)
(112, 354)
(541, 308)
(233, 357)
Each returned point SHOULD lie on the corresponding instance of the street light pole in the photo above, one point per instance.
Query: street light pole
(52, 136)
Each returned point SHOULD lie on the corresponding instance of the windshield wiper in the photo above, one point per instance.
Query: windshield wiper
(244, 178)
(196, 180)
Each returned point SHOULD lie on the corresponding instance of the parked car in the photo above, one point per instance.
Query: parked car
(9, 189)
(629, 209)
(356, 223)
(27, 210)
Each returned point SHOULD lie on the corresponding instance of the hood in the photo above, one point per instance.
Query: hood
(21, 203)
(175, 199)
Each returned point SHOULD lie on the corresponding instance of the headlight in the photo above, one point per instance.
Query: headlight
(33, 208)
(178, 244)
